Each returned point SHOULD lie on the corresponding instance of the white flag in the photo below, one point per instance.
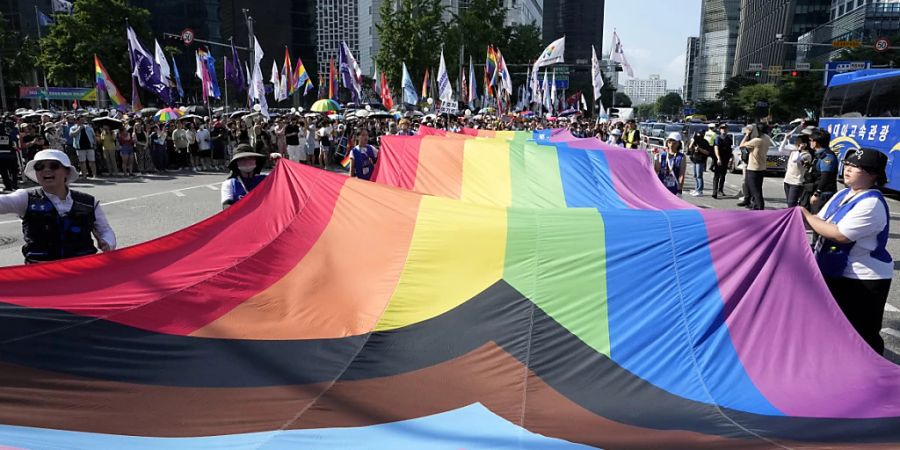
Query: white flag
(275, 79)
(61, 6)
(596, 75)
(583, 102)
(257, 50)
(410, 96)
(553, 92)
(445, 91)
(546, 93)
(618, 55)
(553, 54)
(164, 73)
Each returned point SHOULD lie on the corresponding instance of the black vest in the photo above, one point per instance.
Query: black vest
(49, 236)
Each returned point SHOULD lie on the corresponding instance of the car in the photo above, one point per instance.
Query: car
(776, 162)
(658, 130)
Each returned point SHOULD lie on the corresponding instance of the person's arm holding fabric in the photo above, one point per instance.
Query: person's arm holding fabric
(106, 237)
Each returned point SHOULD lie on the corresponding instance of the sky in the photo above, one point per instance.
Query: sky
(654, 35)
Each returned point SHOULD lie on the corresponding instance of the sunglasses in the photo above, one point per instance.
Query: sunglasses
(52, 165)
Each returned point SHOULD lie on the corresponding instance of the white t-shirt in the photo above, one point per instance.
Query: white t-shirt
(862, 225)
(203, 139)
(796, 167)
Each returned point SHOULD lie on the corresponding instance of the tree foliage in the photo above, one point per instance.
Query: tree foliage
(646, 111)
(413, 33)
(94, 27)
(19, 54)
(889, 58)
(669, 104)
(751, 97)
(623, 100)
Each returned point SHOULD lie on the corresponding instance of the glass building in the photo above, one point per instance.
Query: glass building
(763, 20)
(719, 28)
(862, 20)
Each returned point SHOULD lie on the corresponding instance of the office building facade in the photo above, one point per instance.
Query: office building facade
(337, 21)
(850, 20)
(763, 21)
(719, 27)
(646, 91)
(581, 21)
(690, 65)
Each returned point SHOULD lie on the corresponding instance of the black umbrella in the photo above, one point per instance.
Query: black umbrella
(199, 110)
(107, 121)
(149, 111)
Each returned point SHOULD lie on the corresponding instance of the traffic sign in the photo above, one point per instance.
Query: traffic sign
(802, 66)
(846, 44)
(755, 66)
(833, 68)
(882, 44)
(775, 71)
(187, 36)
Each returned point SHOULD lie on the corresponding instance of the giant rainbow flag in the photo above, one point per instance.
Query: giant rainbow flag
(584, 308)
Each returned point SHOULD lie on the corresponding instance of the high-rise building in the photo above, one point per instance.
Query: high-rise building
(762, 21)
(690, 65)
(719, 28)
(524, 12)
(337, 21)
(646, 91)
(862, 20)
(581, 21)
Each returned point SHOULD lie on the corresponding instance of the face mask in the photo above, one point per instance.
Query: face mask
(247, 168)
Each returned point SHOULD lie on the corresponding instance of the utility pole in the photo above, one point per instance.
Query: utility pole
(251, 44)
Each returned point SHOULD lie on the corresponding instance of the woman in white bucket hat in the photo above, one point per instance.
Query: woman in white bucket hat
(57, 222)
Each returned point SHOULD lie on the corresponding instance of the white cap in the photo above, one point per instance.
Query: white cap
(675, 136)
(615, 132)
(51, 155)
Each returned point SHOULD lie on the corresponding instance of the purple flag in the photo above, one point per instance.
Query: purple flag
(350, 71)
(145, 69)
(234, 73)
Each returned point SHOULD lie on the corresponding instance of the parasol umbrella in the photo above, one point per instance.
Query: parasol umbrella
(569, 112)
(190, 117)
(237, 114)
(107, 122)
(325, 105)
(197, 109)
(165, 115)
(148, 111)
(362, 113)
(381, 115)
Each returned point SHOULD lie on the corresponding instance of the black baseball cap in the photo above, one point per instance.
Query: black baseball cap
(870, 160)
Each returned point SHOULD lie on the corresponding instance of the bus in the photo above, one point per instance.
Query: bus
(862, 110)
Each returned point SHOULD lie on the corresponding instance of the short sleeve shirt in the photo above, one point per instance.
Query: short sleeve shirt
(862, 225)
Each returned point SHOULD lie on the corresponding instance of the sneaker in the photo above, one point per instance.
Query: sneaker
(722, 193)
(744, 204)
(696, 194)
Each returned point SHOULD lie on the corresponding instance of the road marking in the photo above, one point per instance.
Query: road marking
(891, 332)
(213, 187)
(179, 193)
(891, 308)
(118, 201)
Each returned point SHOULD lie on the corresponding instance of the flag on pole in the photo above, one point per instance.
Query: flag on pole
(351, 74)
(331, 78)
(376, 80)
(275, 79)
(445, 90)
(202, 73)
(425, 85)
(177, 78)
(473, 85)
(409, 89)
(505, 80)
(596, 74)
(548, 99)
(463, 86)
(61, 6)
(618, 55)
(145, 69)
(322, 85)
(583, 102)
(490, 70)
(553, 54)
(105, 83)
(257, 86)
(287, 73)
(301, 78)
(386, 98)
(160, 60)
(43, 19)
(234, 73)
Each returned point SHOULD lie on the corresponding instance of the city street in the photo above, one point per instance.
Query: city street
(144, 208)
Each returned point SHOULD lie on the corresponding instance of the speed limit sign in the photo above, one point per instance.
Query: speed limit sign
(882, 44)
(187, 36)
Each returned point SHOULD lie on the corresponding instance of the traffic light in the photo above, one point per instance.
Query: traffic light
(795, 73)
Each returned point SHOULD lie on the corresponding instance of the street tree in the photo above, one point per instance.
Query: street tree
(645, 111)
(19, 54)
(669, 104)
(801, 96)
(757, 100)
(729, 94)
(623, 100)
(411, 32)
(94, 27)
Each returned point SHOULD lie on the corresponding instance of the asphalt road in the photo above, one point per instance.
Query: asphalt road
(144, 208)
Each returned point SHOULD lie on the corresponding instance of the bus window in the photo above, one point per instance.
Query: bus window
(834, 99)
(857, 99)
(885, 98)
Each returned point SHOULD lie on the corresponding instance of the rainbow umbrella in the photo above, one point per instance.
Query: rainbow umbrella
(165, 115)
(325, 105)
